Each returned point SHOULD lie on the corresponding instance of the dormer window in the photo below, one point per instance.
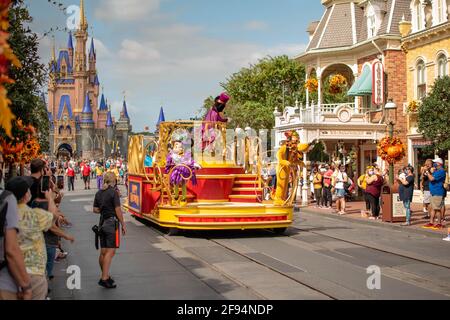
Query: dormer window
(441, 11)
(418, 14)
(371, 22)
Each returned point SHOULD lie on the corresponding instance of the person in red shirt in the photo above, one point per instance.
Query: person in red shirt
(327, 186)
(70, 172)
(86, 173)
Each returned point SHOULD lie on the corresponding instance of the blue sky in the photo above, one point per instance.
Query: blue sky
(176, 52)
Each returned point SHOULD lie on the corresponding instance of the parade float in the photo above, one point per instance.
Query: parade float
(201, 176)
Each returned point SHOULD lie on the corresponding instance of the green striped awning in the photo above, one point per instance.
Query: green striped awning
(362, 86)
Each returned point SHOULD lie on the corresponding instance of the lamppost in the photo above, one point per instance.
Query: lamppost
(390, 122)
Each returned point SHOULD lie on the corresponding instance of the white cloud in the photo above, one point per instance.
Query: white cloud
(256, 25)
(129, 10)
(101, 49)
(138, 52)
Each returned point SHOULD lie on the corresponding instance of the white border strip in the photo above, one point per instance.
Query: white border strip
(352, 9)
(391, 16)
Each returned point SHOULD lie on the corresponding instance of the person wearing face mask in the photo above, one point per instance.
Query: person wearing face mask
(362, 184)
(406, 191)
(340, 178)
(373, 191)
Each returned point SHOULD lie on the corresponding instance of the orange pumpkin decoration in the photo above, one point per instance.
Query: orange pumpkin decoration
(394, 151)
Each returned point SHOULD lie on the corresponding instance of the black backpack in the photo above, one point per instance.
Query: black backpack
(3, 211)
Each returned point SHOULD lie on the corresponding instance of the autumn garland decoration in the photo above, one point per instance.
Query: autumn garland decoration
(312, 85)
(391, 150)
(22, 152)
(7, 58)
(413, 106)
(337, 83)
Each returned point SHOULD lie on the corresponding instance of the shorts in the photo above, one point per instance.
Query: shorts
(340, 193)
(110, 235)
(426, 197)
(437, 202)
(86, 179)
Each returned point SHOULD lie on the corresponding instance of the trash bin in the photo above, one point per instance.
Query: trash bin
(393, 210)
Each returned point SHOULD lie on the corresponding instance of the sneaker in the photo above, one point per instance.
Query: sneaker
(407, 224)
(447, 238)
(107, 284)
(428, 226)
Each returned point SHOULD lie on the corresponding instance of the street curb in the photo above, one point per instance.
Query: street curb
(375, 224)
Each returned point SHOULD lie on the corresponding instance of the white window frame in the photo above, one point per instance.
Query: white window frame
(420, 74)
(442, 70)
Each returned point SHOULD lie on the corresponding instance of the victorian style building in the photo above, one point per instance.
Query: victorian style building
(81, 126)
(351, 37)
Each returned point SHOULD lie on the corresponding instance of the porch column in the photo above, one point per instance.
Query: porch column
(307, 92)
(319, 92)
(305, 187)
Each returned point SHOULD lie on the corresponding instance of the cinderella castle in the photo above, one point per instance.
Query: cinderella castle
(80, 126)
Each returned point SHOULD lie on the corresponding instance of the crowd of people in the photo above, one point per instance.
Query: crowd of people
(88, 170)
(32, 224)
(332, 186)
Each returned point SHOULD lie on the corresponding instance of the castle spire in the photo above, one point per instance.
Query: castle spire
(109, 122)
(162, 117)
(70, 41)
(92, 53)
(103, 105)
(53, 50)
(87, 105)
(83, 22)
(124, 113)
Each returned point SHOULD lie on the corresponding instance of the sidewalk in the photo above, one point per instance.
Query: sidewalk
(354, 214)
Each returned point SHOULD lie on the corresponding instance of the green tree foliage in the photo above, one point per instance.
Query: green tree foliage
(30, 79)
(257, 90)
(434, 115)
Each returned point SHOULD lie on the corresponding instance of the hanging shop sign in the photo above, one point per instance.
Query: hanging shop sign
(378, 83)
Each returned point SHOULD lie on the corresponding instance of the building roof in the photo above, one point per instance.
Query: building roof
(64, 104)
(344, 23)
(64, 56)
(109, 121)
(103, 106)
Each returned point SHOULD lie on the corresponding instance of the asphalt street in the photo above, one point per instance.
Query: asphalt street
(319, 258)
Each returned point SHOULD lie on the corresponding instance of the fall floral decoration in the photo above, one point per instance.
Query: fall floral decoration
(312, 85)
(391, 150)
(413, 106)
(22, 152)
(7, 58)
(337, 83)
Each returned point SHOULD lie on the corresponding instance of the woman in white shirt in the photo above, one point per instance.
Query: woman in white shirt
(340, 178)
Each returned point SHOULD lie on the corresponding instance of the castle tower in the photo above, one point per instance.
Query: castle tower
(123, 130)
(80, 72)
(102, 113)
(162, 118)
(70, 47)
(87, 129)
(109, 134)
(92, 63)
